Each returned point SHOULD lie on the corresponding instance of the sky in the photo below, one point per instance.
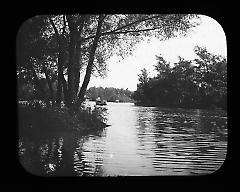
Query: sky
(124, 73)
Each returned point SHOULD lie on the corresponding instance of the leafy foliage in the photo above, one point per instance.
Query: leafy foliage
(52, 46)
(200, 83)
(35, 119)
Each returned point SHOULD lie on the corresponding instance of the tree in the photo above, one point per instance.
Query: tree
(142, 87)
(36, 57)
(185, 86)
(84, 43)
(143, 77)
(201, 82)
(162, 67)
(212, 77)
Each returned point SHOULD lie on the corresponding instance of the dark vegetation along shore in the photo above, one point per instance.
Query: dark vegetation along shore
(199, 83)
(38, 118)
(35, 120)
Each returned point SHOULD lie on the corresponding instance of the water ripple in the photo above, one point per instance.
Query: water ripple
(140, 141)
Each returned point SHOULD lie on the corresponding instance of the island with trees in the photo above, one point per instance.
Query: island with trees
(198, 83)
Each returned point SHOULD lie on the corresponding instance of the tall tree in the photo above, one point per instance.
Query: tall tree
(201, 82)
(36, 57)
(85, 42)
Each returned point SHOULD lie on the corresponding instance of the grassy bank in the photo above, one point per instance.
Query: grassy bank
(35, 120)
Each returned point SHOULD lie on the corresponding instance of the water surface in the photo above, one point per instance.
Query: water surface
(139, 141)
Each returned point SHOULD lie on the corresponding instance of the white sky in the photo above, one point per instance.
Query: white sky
(123, 74)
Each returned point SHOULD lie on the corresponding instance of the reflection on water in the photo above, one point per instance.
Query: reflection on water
(140, 141)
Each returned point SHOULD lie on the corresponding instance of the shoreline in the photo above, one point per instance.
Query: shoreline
(41, 122)
(180, 107)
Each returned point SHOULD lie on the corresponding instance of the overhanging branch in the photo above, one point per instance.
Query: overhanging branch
(137, 21)
(116, 31)
(134, 31)
(53, 25)
(124, 32)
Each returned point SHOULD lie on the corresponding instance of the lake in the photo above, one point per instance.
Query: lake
(140, 141)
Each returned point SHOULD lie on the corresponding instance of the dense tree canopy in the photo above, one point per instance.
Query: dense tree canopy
(58, 48)
(198, 83)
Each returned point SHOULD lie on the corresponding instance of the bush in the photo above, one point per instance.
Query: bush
(35, 118)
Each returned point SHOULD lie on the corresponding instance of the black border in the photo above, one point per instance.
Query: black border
(217, 179)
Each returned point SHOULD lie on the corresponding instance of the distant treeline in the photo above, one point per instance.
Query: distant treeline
(198, 83)
(29, 92)
(109, 93)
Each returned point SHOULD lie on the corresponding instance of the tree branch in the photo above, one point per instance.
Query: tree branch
(91, 59)
(127, 25)
(81, 20)
(133, 31)
(53, 25)
(64, 24)
(124, 32)
(103, 17)
(80, 23)
(137, 21)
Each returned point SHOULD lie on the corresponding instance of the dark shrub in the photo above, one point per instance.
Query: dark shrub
(34, 118)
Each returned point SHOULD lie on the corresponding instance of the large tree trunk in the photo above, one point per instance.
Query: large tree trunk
(78, 65)
(60, 73)
(59, 91)
(65, 90)
(77, 81)
(39, 86)
(61, 81)
(49, 85)
(74, 55)
(71, 68)
(86, 78)
(90, 62)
